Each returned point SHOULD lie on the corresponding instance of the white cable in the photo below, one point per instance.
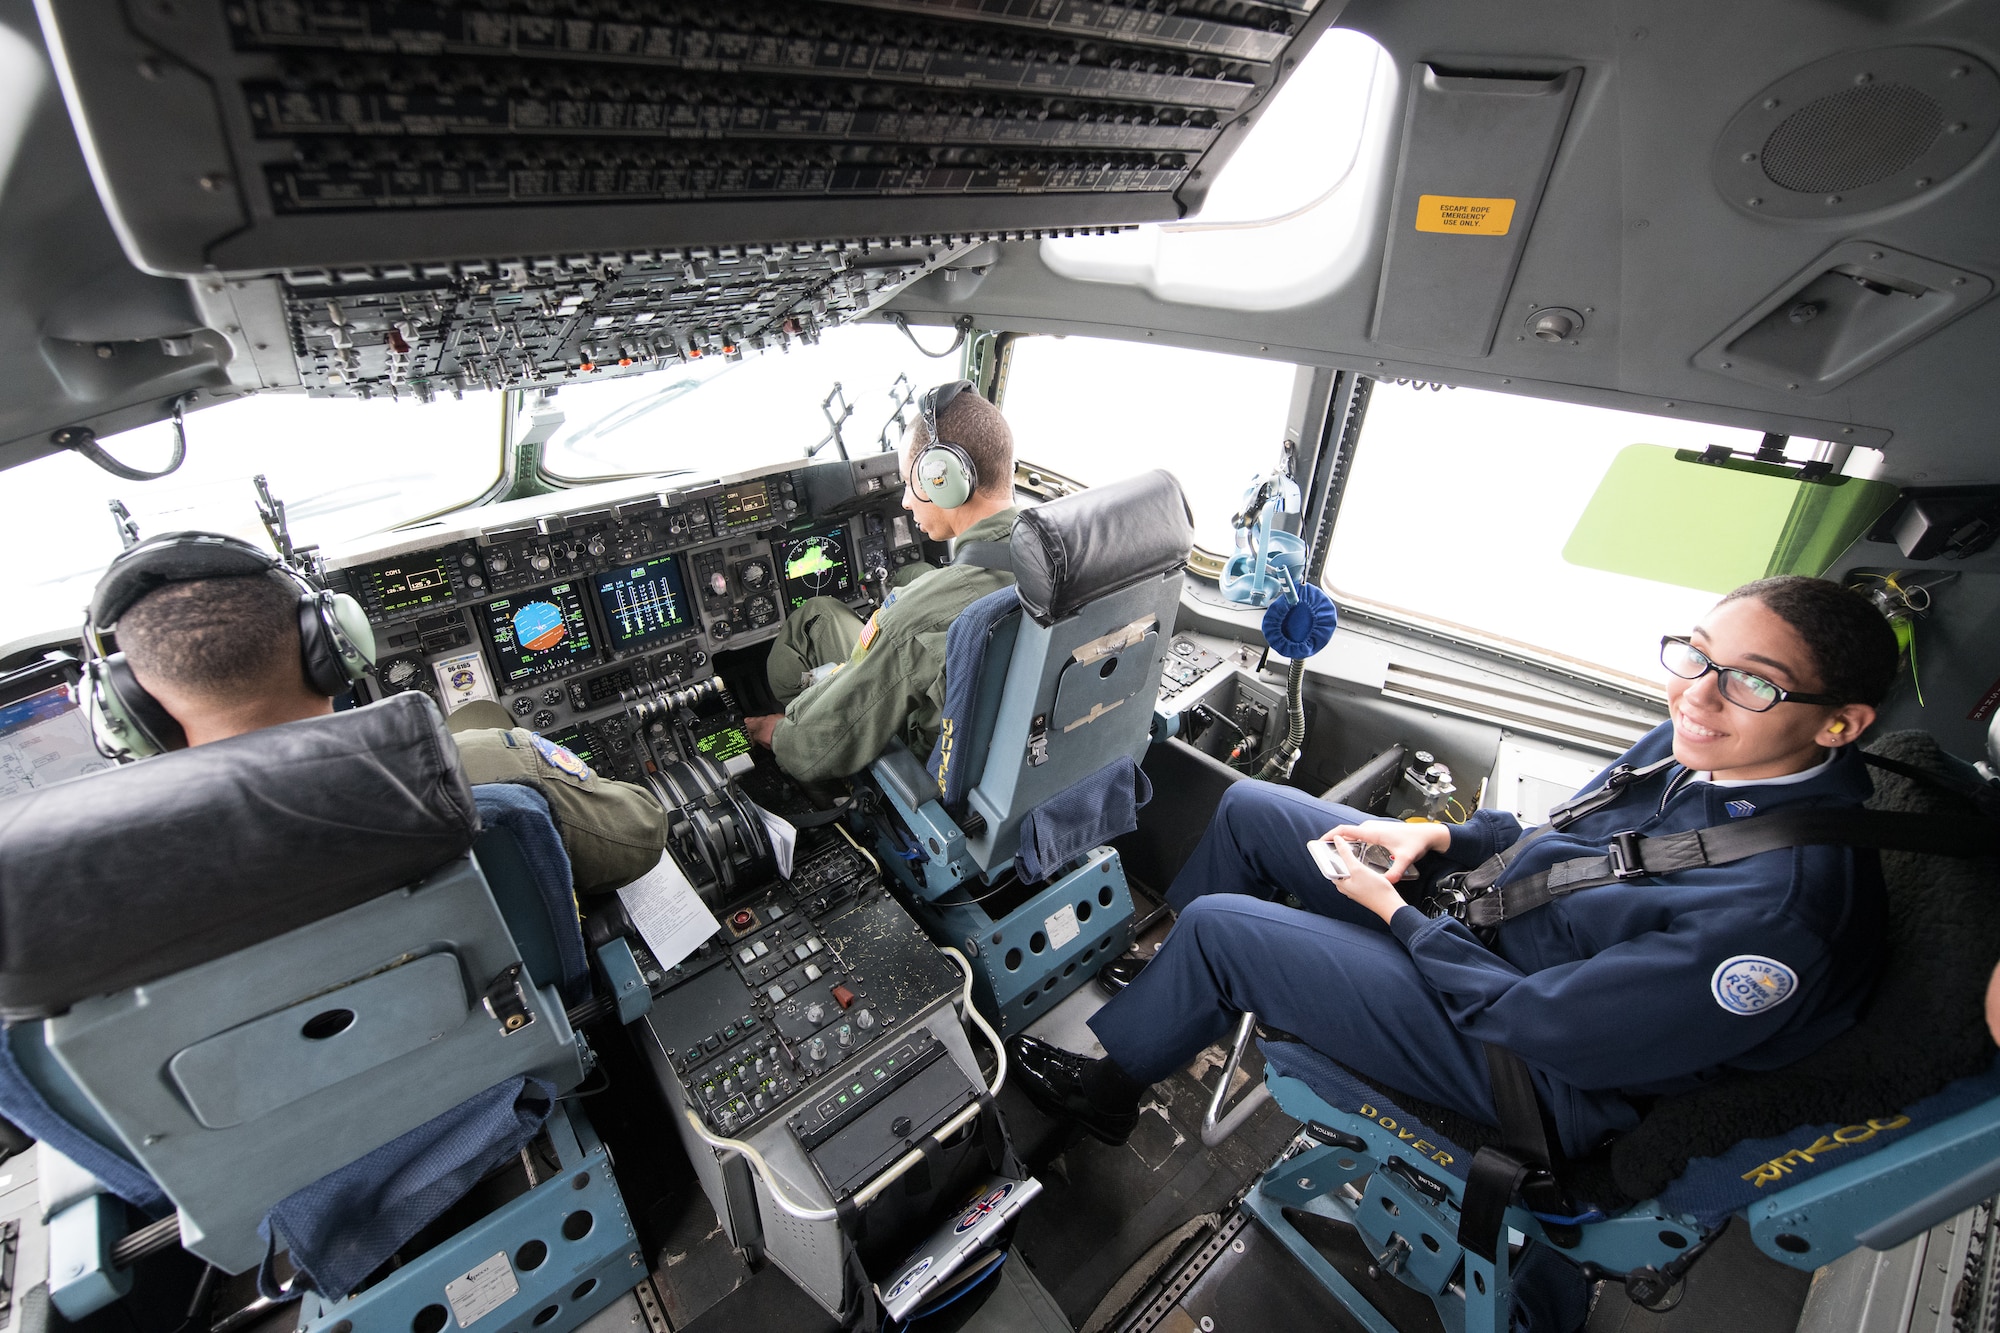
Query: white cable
(972, 1012)
(763, 1168)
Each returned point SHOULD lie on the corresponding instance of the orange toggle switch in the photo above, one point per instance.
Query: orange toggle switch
(843, 996)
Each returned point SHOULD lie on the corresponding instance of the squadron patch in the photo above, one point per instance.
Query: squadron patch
(561, 759)
(1750, 984)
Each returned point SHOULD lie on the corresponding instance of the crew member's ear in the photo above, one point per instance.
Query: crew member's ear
(1844, 725)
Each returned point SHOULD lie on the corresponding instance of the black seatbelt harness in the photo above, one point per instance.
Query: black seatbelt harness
(1471, 897)
(985, 555)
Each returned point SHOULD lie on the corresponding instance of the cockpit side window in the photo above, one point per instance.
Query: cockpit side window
(343, 467)
(1096, 409)
(1463, 508)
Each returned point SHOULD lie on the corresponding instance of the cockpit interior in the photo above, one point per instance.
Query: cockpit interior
(1172, 431)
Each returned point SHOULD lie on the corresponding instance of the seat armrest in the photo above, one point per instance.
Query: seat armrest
(901, 773)
(622, 977)
(82, 1278)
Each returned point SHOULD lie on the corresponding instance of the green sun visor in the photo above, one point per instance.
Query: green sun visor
(1660, 514)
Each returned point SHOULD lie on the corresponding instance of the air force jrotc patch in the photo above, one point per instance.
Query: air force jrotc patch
(561, 759)
(1750, 984)
(1739, 809)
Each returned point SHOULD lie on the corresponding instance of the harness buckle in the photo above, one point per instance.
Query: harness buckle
(1623, 853)
(1449, 896)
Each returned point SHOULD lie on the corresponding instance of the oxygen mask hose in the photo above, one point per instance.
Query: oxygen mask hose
(1297, 625)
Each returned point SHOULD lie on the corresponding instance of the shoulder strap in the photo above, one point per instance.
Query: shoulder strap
(1983, 795)
(1630, 857)
(985, 555)
(1482, 876)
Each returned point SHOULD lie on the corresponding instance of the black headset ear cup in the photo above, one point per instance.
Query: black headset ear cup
(332, 656)
(322, 663)
(124, 700)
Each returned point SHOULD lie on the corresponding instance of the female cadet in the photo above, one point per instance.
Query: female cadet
(1636, 988)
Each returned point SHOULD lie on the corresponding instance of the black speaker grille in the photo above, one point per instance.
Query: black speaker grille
(1851, 138)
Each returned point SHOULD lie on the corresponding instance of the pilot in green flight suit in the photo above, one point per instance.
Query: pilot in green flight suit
(886, 679)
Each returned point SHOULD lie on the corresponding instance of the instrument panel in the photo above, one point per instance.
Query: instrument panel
(575, 617)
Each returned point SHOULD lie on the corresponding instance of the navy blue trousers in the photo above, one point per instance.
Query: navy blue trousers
(1332, 975)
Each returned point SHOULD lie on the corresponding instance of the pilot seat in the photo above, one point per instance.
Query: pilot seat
(999, 839)
(262, 993)
(1885, 1132)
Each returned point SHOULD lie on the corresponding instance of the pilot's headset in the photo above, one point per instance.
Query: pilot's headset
(944, 472)
(128, 723)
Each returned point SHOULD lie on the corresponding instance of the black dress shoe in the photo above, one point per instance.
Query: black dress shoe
(1120, 972)
(1052, 1079)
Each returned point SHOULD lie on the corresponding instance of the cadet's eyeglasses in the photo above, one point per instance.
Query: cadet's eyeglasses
(1681, 657)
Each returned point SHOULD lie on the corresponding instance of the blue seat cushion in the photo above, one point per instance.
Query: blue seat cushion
(344, 1225)
(967, 661)
(1090, 811)
(525, 865)
(37, 1116)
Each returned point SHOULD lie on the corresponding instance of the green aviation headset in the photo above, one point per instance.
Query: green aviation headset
(126, 722)
(943, 473)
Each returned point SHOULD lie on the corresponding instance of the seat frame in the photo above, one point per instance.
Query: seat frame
(1405, 1205)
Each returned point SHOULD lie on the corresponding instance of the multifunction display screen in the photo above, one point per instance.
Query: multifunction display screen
(815, 566)
(745, 504)
(406, 585)
(723, 744)
(539, 631)
(643, 603)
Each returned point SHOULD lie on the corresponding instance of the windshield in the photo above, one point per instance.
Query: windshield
(344, 468)
(715, 416)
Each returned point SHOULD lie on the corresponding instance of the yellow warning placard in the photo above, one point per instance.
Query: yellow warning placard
(1464, 216)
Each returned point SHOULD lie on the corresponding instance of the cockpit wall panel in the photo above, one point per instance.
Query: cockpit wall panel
(83, 334)
(1634, 237)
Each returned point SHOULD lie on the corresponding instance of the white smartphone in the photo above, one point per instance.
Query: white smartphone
(1327, 858)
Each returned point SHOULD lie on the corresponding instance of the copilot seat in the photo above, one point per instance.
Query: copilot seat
(999, 840)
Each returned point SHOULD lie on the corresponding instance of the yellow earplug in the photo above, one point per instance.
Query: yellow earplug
(1837, 727)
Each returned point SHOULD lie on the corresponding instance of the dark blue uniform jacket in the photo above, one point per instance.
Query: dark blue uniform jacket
(1622, 987)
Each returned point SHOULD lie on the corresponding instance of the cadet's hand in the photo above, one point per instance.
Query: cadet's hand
(1408, 843)
(761, 727)
(1369, 888)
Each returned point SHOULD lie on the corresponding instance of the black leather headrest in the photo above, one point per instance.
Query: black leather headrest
(1076, 549)
(141, 871)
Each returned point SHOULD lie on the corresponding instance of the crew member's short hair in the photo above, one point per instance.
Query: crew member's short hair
(1853, 648)
(976, 426)
(214, 635)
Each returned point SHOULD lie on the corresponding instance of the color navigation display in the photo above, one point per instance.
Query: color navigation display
(644, 603)
(536, 632)
(815, 566)
(405, 585)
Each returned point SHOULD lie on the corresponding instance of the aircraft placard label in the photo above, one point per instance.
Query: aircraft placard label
(1460, 215)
